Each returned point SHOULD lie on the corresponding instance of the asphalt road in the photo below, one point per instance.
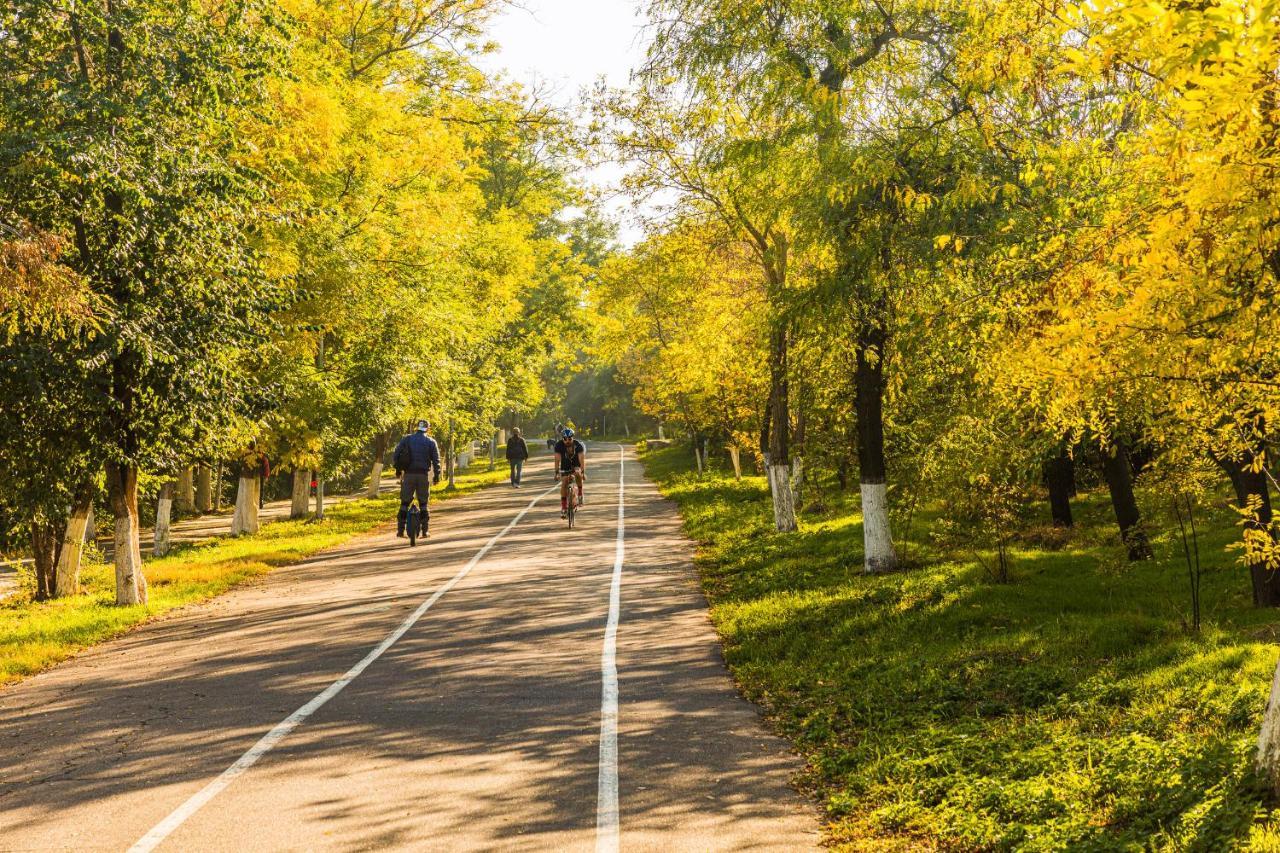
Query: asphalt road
(485, 723)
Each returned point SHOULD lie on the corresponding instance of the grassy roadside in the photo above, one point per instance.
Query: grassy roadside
(1069, 709)
(37, 635)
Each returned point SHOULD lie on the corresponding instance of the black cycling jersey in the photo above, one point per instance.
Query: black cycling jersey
(570, 455)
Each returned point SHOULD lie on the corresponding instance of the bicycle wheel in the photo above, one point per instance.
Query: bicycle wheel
(573, 509)
(415, 522)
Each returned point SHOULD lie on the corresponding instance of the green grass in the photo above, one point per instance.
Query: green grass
(37, 635)
(1067, 710)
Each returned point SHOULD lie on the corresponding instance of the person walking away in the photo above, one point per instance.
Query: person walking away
(571, 459)
(417, 459)
(517, 453)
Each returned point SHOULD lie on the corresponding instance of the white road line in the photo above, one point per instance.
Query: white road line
(165, 828)
(607, 787)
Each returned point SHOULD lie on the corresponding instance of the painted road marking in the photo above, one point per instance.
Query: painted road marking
(166, 827)
(607, 785)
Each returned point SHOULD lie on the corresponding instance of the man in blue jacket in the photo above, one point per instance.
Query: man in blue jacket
(417, 455)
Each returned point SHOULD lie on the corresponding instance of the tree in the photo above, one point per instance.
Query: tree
(124, 129)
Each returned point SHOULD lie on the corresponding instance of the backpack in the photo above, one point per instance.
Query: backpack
(404, 456)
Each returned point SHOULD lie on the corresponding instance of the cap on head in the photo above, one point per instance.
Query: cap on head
(423, 426)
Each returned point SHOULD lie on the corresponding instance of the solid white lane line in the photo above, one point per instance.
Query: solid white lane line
(607, 786)
(164, 828)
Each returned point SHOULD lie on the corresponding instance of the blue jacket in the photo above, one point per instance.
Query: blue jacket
(417, 453)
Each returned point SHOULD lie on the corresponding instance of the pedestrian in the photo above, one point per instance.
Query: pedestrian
(517, 453)
(416, 456)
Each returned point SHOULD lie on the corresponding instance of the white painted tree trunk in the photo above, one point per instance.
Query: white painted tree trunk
(375, 479)
(784, 508)
(661, 435)
(1267, 759)
(626, 430)
(735, 456)
(164, 514)
(299, 505)
(66, 578)
(131, 586)
(122, 485)
(186, 492)
(246, 518)
(797, 479)
(319, 498)
(493, 451)
(697, 457)
(877, 537)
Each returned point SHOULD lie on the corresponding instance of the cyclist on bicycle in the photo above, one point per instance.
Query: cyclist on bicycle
(571, 463)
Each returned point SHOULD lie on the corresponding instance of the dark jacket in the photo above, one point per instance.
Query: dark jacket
(417, 453)
(517, 450)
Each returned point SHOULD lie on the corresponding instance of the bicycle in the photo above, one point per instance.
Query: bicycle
(571, 506)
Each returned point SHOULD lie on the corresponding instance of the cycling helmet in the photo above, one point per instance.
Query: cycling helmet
(568, 433)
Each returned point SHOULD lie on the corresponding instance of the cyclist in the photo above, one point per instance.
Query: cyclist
(416, 455)
(571, 461)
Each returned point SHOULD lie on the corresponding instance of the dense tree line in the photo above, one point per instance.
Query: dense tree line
(934, 242)
(239, 228)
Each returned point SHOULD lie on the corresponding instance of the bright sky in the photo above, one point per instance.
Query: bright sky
(567, 46)
(568, 43)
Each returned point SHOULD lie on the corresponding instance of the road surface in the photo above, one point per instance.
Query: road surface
(458, 696)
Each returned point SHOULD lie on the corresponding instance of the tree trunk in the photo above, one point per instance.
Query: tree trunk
(493, 451)
(44, 544)
(245, 520)
(217, 490)
(91, 526)
(319, 498)
(797, 479)
(697, 455)
(1115, 468)
(735, 456)
(185, 496)
(300, 504)
(67, 574)
(877, 535)
(661, 436)
(164, 511)
(122, 488)
(204, 489)
(1249, 485)
(626, 429)
(779, 460)
(451, 463)
(784, 512)
(1267, 758)
(1059, 475)
(375, 473)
